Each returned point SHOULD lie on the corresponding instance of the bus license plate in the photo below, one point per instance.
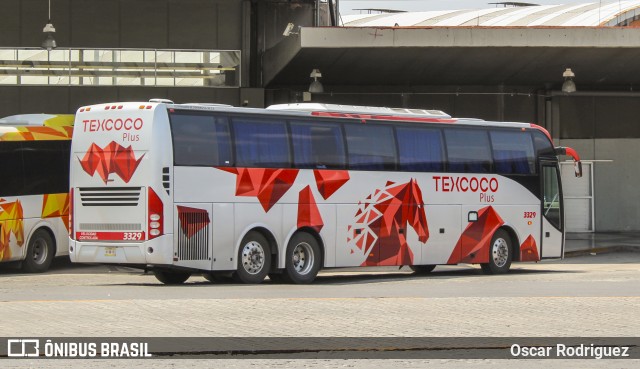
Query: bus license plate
(109, 251)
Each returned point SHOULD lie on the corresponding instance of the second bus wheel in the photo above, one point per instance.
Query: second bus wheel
(500, 254)
(303, 258)
(422, 269)
(40, 252)
(171, 276)
(254, 258)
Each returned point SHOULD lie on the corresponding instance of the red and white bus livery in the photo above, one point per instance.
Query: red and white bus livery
(286, 191)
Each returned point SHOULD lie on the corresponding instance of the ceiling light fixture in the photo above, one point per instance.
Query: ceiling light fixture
(49, 43)
(316, 86)
(568, 86)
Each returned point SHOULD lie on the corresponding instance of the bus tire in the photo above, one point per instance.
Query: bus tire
(218, 277)
(422, 269)
(40, 252)
(254, 259)
(500, 254)
(303, 259)
(171, 277)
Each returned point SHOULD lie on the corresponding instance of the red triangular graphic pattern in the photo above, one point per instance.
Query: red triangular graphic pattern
(473, 245)
(382, 224)
(114, 158)
(330, 181)
(267, 185)
(192, 220)
(308, 213)
(529, 250)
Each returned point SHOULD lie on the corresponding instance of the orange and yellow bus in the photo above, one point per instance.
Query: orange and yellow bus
(34, 185)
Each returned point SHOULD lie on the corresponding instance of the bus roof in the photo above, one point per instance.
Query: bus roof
(48, 120)
(323, 110)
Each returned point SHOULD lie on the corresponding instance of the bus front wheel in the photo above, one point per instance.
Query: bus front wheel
(171, 277)
(500, 254)
(303, 259)
(40, 252)
(254, 259)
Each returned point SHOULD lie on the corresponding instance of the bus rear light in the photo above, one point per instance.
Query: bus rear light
(148, 106)
(70, 220)
(88, 109)
(141, 107)
(119, 106)
(155, 211)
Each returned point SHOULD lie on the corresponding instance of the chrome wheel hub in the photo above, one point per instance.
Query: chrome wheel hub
(253, 257)
(500, 252)
(302, 258)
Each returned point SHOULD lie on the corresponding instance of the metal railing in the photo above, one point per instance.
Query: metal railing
(120, 67)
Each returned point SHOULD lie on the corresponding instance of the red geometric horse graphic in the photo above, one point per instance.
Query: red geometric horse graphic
(114, 158)
(10, 222)
(379, 231)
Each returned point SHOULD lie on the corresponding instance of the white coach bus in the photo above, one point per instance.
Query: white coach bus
(285, 191)
(34, 189)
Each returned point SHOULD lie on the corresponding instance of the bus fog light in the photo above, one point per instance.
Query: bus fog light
(154, 225)
(150, 250)
(154, 217)
(70, 248)
(155, 232)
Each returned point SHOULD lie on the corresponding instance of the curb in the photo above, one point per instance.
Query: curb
(601, 250)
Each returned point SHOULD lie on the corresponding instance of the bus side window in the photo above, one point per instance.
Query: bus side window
(513, 152)
(200, 140)
(370, 147)
(421, 149)
(317, 146)
(46, 166)
(11, 169)
(261, 143)
(468, 150)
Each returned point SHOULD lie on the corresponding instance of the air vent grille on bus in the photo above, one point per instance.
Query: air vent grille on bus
(110, 227)
(110, 196)
(166, 180)
(193, 246)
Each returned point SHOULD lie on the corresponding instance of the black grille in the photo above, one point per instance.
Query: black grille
(110, 196)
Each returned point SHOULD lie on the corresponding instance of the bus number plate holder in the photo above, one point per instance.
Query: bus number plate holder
(110, 251)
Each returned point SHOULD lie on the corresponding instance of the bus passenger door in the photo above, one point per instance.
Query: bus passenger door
(552, 239)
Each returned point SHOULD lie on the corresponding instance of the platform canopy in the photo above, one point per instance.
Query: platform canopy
(603, 13)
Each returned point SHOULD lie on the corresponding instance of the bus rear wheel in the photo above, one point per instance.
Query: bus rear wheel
(254, 259)
(40, 252)
(500, 254)
(303, 259)
(171, 277)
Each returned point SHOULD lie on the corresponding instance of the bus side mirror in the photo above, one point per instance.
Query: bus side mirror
(577, 166)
